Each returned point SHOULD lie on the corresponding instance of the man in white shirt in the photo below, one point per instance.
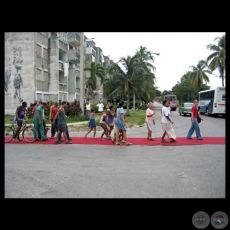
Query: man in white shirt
(87, 109)
(100, 108)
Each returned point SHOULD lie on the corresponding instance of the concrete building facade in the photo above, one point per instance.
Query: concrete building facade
(48, 66)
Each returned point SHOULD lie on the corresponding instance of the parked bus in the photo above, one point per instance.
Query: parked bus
(212, 101)
(173, 101)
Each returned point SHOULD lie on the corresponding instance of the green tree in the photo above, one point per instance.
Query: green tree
(96, 71)
(185, 91)
(130, 79)
(218, 58)
(145, 59)
(198, 75)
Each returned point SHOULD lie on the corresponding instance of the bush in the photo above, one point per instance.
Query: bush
(94, 106)
(74, 109)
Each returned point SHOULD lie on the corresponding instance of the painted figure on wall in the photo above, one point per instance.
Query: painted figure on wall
(7, 79)
(17, 62)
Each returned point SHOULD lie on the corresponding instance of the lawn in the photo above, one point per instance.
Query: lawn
(136, 118)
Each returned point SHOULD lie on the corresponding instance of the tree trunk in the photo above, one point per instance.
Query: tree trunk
(128, 102)
(222, 75)
(134, 101)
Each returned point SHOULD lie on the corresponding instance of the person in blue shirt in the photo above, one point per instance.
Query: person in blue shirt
(120, 124)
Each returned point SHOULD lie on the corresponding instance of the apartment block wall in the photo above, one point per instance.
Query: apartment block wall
(19, 69)
(54, 66)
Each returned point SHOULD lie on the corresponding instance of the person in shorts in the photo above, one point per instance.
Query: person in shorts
(110, 116)
(61, 123)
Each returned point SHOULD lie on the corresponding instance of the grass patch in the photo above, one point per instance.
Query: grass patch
(136, 117)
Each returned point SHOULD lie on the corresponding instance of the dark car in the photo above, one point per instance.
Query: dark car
(185, 108)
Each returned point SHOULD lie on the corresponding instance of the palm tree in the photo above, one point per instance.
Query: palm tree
(218, 57)
(198, 74)
(145, 58)
(96, 71)
(131, 79)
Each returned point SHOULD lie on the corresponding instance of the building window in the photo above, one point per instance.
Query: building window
(38, 50)
(45, 76)
(39, 74)
(70, 47)
(45, 53)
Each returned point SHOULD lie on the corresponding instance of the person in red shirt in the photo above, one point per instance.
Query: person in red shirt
(194, 126)
(36, 103)
(53, 112)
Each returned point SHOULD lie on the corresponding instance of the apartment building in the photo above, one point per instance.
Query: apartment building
(48, 66)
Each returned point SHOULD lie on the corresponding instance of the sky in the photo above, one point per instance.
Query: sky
(178, 51)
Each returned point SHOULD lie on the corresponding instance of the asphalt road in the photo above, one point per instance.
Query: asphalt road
(81, 171)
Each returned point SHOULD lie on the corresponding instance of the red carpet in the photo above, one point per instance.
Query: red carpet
(135, 141)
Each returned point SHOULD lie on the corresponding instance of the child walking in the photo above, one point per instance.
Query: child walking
(92, 123)
(103, 124)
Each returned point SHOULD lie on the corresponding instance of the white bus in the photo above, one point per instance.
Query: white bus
(212, 101)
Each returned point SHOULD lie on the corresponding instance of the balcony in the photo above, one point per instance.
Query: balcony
(77, 91)
(61, 66)
(94, 52)
(62, 87)
(63, 46)
(77, 67)
(74, 38)
(73, 56)
(73, 73)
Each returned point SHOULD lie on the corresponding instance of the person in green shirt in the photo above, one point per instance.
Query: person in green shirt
(38, 121)
(61, 123)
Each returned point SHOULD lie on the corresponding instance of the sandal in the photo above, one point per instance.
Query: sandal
(118, 144)
(163, 140)
(128, 143)
(151, 139)
(172, 140)
(68, 142)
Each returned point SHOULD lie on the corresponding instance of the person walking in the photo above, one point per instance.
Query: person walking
(103, 124)
(100, 108)
(88, 109)
(53, 112)
(167, 122)
(20, 115)
(92, 123)
(61, 123)
(38, 121)
(120, 124)
(110, 115)
(36, 103)
(149, 120)
(67, 129)
(195, 125)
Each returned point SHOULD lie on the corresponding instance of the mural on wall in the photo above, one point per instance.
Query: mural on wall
(17, 62)
(7, 77)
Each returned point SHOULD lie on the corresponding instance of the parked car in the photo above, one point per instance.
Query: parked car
(185, 108)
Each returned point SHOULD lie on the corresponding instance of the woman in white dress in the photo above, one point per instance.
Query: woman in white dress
(149, 120)
(167, 123)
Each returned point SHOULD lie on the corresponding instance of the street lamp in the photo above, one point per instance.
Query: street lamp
(155, 53)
